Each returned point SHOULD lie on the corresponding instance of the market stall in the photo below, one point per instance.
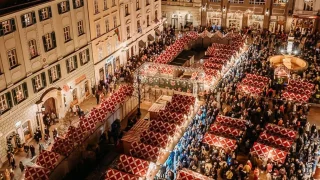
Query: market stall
(281, 143)
(231, 122)
(113, 174)
(225, 131)
(133, 165)
(281, 131)
(48, 159)
(36, 173)
(144, 151)
(267, 152)
(186, 174)
(219, 141)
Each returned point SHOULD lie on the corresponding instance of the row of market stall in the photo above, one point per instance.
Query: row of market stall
(298, 91)
(253, 84)
(152, 139)
(47, 161)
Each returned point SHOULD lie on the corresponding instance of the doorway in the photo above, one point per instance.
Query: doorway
(50, 106)
(174, 22)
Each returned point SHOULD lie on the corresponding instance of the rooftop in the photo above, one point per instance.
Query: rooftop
(10, 6)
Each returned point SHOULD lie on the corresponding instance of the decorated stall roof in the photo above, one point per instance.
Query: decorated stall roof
(163, 127)
(75, 134)
(301, 84)
(87, 124)
(177, 107)
(232, 122)
(257, 77)
(281, 131)
(227, 131)
(144, 151)
(266, 152)
(154, 138)
(36, 173)
(190, 100)
(48, 159)
(253, 82)
(275, 141)
(171, 117)
(113, 174)
(291, 96)
(135, 132)
(186, 174)
(62, 146)
(249, 89)
(219, 141)
(133, 165)
(299, 90)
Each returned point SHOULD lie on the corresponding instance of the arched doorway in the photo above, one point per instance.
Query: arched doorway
(50, 106)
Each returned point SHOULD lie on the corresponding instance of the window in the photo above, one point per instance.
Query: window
(113, 3)
(137, 5)
(308, 5)
(126, 10)
(128, 32)
(84, 57)
(20, 93)
(33, 48)
(66, 32)
(100, 53)
(98, 30)
(7, 27)
(114, 21)
(63, 7)
(72, 64)
(139, 27)
(109, 48)
(5, 102)
(77, 4)
(147, 2)
(45, 13)
(39, 82)
(28, 19)
(80, 28)
(49, 41)
(12, 57)
(74, 94)
(105, 4)
(148, 20)
(256, 1)
(107, 25)
(96, 6)
(54, 73)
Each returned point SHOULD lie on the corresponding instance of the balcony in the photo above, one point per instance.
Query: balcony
(196, 3)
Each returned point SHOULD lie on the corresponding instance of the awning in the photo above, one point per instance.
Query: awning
(158, 33)
(142, 44)
(150, 37)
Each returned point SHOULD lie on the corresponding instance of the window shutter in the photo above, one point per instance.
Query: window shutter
(68, 6)
(75, 61)
(59, 71)
(68, 68)
(59, 8)
(23, 21)
(44, 43)
(14, 94)
(53, 36)
(81, 58)
(43, 79)
(34, 19)
(25, 90)
(49, 12)
(13, 25)
(81, 2)
(40, 15)
(9, 100)
(87, 55)
(34, 85)
(50, 77)
(1, 30)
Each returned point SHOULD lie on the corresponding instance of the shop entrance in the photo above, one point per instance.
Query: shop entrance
(50, 106)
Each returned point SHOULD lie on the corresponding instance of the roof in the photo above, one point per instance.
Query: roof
(11, 6)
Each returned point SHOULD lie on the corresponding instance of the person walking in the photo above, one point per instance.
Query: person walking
(33, 151)
(13, 162)
(21, 166)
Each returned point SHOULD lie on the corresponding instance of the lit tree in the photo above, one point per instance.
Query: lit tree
(18, 141)
(9, 144)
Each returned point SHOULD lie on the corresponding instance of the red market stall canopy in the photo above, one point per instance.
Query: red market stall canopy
(281, 131)
(249, 89)
(171, 117)
(290, 96)
(186, 174)
(48, 159)
(87, 124)
(252, 82)
(267, 152)
(218, 60)
(232, 122)
(212, 65)
(257, 78)
(154, 139)
(144, 151)
(36, 173)
(301, 84)
(299, 90)
(177, 107)
(62, 146)
(133, 165)
(225, 131)
(163, 127)
(75, 134)
(183, 99)
(218, 141)
(113, 174)
(275, 141)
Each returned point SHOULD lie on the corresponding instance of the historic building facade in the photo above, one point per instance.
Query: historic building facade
(275, 15)
(46, 65)
(119, 29)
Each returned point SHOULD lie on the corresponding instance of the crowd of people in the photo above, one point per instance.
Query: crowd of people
(268, 107)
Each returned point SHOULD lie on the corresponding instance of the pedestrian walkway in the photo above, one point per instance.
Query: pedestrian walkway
(86, 105)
